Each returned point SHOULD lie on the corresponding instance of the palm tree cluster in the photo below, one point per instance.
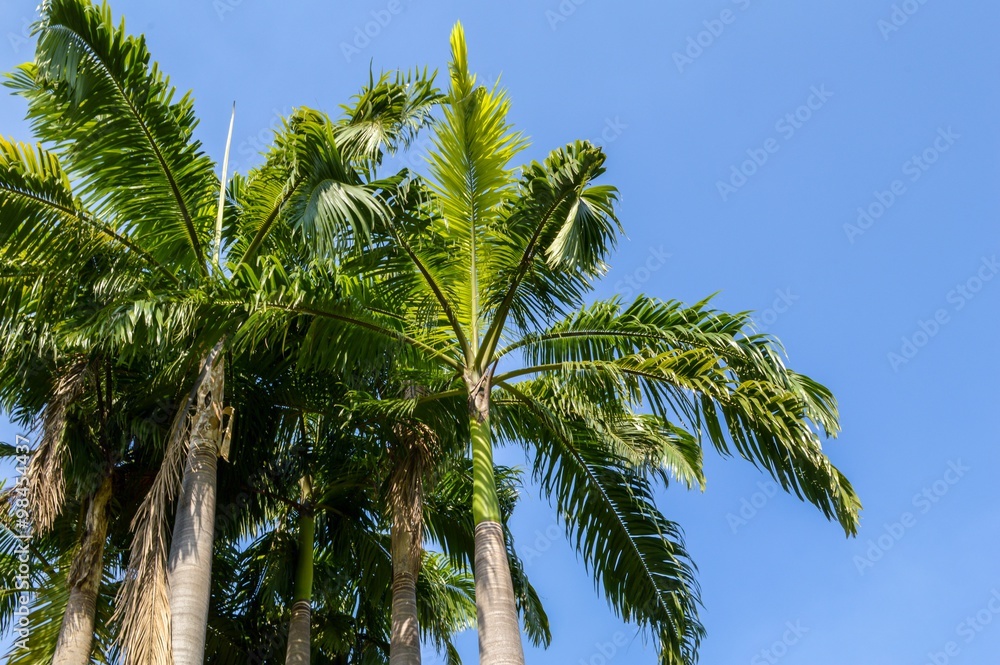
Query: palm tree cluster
(266, 405)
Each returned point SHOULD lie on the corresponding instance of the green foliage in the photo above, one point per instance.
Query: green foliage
(351, 303)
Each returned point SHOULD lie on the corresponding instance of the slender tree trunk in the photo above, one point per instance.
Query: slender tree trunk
(189, 568)
(299, 649)
(406, 502)
(76, 634)
(499, 629)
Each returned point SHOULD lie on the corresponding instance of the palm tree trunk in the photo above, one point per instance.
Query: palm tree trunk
(406, 501)
(189, 568)
(499, 629)
(299, 649)
(76, 634)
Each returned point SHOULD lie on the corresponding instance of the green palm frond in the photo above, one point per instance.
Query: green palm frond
(40, 213)
(701, 366)
(446, 603)
(307, 186)
(553, 238)
(55, 256)
(387, 115)
(330, 318)
(471, 177)
(637, 555)
(113, 118)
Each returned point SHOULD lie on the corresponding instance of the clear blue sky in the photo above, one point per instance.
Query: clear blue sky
(909, 106)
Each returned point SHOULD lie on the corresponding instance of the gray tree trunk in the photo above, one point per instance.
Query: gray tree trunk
(299, 642)
(406, 548)
(76, 634)
(412, 453)
(499, 630)
(189, 568)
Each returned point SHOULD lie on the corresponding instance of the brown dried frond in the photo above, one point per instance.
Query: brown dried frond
(45, 475)
(410, 455)
(143, 603)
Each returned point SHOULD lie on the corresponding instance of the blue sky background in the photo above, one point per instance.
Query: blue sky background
(842, 300)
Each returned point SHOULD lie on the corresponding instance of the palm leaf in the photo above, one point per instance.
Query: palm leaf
(113, 118)
(637, 555)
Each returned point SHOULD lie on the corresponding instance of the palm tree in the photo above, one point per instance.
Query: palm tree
(406, 499)
(489, 264)
(461, 273)
(319, 525)
(405, 453)
(144, 186)
(446, 597)
(53, 556)
(88, 406)
(424, 471)
(84, 480)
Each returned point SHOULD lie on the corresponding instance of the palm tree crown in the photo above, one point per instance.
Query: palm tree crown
(455, 312)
